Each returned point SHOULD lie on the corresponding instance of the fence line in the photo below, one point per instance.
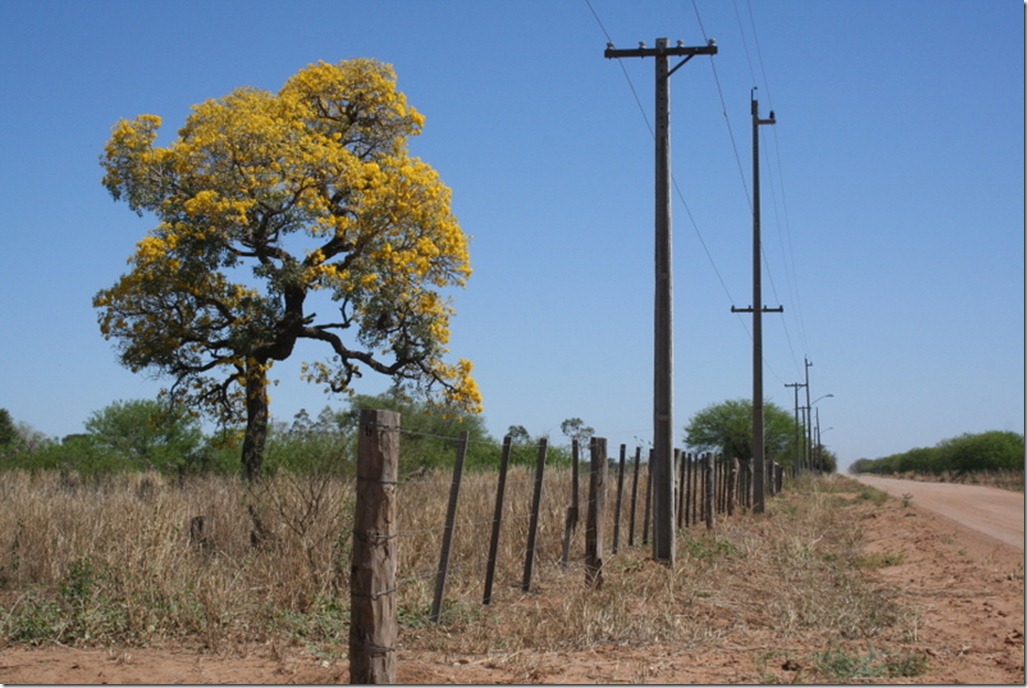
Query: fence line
(705, 485)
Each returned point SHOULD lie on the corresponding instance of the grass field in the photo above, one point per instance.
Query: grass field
(121, 561)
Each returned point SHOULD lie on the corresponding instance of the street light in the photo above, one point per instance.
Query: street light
(810, 428)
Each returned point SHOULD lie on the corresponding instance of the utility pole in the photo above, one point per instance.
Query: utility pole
(663, 416)
(796, 418)
(759, 471)
(817, 434)
(807, 448)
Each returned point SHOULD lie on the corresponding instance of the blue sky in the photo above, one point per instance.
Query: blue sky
(892, 193)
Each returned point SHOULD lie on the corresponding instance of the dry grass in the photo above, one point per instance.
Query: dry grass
(795, 579)
(113, 563)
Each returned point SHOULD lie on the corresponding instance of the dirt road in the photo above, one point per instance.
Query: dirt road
(999, 514)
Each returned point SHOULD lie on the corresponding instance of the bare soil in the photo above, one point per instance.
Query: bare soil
(966, 588)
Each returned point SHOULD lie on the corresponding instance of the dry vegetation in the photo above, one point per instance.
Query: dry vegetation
(113, 563)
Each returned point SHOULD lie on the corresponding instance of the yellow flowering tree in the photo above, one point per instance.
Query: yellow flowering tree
(263, 200)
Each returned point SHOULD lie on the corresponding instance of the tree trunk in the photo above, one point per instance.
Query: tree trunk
(256, 419)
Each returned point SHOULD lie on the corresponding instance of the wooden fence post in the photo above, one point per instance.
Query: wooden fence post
(747, 483)
(733, 484)
(649, 497)
(635, 494)
(722, 487)
(494, 540)
(571, 517)
(719, 482)
(617, 500)
(373, 623)
(597, 512)
(533, 526)
(451, 517)
(690, 489)
(711, 503)
(680, 458)
(697, 473)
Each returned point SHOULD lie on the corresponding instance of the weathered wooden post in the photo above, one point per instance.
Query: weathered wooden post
(200, 531)
(533, 525)
(719, 500)
(571, 517)
(711, 505)
(649, 499)
(494, 541)
(635, 495)
(733, 484)
(597, 512)
(747, 483)
(617, 500)
(722, 487)
(451, 517)
(680, 458)
(373, 624)
(690, 489)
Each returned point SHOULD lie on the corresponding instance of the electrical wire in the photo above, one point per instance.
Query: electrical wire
(624, 70)
(674, 182)
(742, 176)
(790, 261)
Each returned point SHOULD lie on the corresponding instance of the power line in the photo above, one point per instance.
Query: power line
(766, 261)
(674, 181)
(724, 112)
(745, 45)
(624, 70)
(789, 262)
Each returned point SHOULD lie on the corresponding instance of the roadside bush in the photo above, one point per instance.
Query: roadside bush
(969, 453)
(988, 451)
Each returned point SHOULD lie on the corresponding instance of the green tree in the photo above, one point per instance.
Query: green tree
(430, 432)
(147, 434)
(727, 427)
(264, 201)
(519, 434)
(861, 466)
(8, 431)
(576, 429)
(987, 451)
(825, 460)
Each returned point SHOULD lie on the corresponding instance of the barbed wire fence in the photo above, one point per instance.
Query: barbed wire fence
(408, 550)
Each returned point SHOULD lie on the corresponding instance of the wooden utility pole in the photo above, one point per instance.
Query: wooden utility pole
(663, 417)
(807, 443)
(796, 418)
(759, 465)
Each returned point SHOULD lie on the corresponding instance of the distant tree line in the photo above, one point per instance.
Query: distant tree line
(151, 435)
(155, 435)
(996, 450)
